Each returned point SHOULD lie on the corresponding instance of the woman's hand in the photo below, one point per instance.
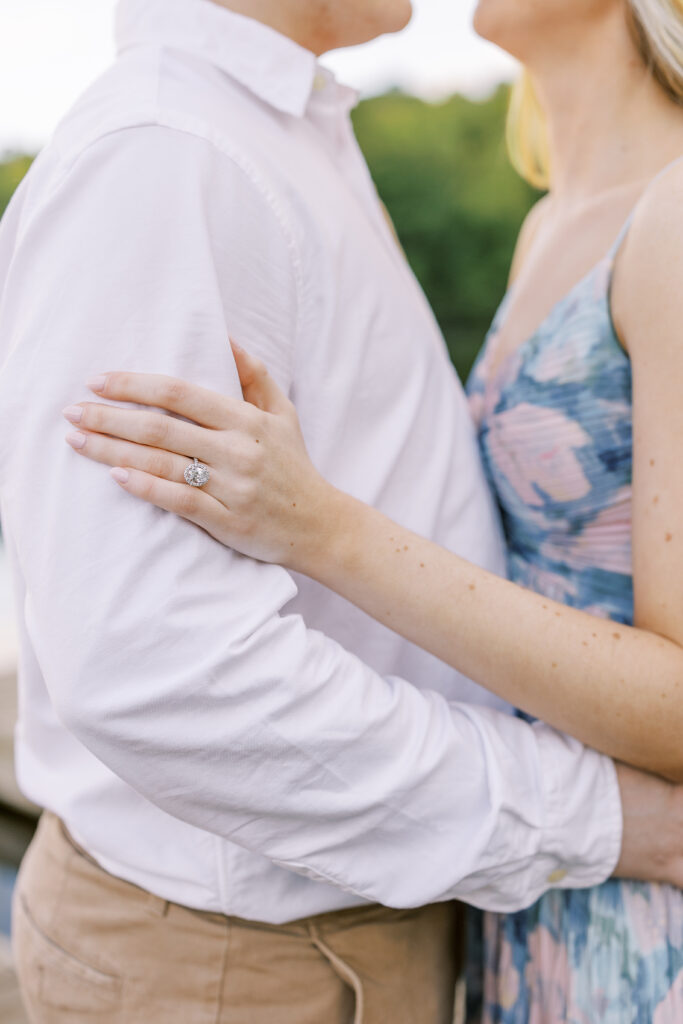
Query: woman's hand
(264, 497)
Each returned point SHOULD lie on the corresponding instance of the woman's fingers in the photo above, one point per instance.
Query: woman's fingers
(258, 387)
(201, 405)
(113, 452)
(155, 476)
(205, 407)
(254, 450)
(191, 503)
(147, 428)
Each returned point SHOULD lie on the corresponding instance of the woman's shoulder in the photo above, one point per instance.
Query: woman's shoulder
(648, 276)
(659, 212)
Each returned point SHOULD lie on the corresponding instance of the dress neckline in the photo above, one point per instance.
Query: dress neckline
(608, 258)
(552, 313)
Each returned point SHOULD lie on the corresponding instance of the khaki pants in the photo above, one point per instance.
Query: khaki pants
(91, 947)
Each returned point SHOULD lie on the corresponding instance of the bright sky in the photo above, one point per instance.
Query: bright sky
(51, 49)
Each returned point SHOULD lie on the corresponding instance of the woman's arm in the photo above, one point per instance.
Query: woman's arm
(616, 688)
(613, 687)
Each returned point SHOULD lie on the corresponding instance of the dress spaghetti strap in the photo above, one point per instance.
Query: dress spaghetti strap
(619, 241)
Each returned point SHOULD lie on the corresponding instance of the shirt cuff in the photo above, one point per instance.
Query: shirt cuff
(584, 819)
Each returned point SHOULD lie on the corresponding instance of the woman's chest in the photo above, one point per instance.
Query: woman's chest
(554, 418)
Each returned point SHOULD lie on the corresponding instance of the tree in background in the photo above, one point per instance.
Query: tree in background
(12, 170)
(457, 204)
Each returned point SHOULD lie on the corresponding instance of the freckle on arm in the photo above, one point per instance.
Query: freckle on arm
(669, 537)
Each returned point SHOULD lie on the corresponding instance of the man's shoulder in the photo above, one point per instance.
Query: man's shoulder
(141, 103)
(122, 143)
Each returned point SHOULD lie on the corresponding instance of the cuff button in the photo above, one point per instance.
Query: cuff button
(555, 877)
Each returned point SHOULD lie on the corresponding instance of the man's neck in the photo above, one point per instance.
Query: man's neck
(285, 16)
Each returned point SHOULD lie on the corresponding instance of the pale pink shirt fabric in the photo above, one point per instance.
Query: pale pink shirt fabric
(211, 728)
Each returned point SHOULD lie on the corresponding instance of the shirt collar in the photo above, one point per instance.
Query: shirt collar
(269, 64)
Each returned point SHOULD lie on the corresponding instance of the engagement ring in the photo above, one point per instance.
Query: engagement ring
(197, 474)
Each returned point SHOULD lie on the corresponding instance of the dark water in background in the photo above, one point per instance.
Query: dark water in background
(7, 878)
(7, 871)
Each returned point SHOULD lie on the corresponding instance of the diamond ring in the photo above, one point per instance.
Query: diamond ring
(197, 474)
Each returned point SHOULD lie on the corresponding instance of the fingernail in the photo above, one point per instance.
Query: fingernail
(235, 345)
(97, 383)
(76, 439)
(73, 413)
(120, 475)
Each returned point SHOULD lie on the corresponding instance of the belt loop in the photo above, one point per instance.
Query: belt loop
(157, 905)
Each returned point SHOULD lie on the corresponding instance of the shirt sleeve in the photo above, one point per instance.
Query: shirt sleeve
(171, 657)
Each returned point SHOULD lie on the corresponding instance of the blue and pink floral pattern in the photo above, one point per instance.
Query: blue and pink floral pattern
(554, 420)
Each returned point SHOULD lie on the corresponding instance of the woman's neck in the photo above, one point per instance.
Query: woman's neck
(610, 124)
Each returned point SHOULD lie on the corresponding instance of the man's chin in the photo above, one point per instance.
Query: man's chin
(407, 16)
(398, 15)
(393, 17)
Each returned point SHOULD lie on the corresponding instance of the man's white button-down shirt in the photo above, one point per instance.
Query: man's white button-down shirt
(209, 727)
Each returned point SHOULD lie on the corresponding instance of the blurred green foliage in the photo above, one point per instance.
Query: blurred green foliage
(443, 173)
(12, 170)
(457, 204)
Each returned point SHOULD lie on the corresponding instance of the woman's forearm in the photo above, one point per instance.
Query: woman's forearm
(614, 687)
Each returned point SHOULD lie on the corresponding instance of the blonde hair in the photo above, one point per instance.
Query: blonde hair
(657, 29)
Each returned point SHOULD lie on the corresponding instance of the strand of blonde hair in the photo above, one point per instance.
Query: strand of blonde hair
(657, 28)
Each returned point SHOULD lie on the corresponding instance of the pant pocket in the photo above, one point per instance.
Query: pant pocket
(55, 984)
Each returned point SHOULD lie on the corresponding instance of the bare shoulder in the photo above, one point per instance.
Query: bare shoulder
(656, 229)
(527, 233)
(648, 276)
